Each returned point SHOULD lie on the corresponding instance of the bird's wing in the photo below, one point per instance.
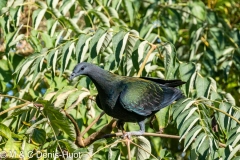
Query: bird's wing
(141, 97)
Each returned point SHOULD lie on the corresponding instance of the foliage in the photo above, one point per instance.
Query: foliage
(197, 42)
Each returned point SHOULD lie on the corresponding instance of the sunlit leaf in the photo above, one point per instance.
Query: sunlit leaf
(5, 131)
(144, 149)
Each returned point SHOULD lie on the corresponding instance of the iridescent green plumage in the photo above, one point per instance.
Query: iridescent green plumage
(129, 99)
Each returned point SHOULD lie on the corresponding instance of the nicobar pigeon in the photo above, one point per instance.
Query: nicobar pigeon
(129, 99)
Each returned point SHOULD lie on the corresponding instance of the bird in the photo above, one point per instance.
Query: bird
(129, 99)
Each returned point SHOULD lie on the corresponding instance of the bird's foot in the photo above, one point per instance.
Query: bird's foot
(133, 133)
(120, 125)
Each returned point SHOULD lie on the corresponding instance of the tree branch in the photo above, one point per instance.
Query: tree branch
(107, 129)
(154, 135)
(79, 140)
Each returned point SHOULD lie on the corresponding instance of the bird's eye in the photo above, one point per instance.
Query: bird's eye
(82, 68)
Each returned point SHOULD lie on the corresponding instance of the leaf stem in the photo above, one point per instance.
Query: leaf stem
(224, 113)
(3, 95)
(153, 47)
(127, 141)
(16, 107)
(143, 149)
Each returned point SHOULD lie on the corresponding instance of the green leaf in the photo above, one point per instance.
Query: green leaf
(104, 19)
(143, 152)
(185, 123)
(85, 4)
(130, 10)
(54, 61)
(203, 146)
(65, 7)
(233, 152)
(163, 117)
(131, 41)
(114, 153)
(12, 146)
(47, 40)
(2, 4)
(59, 121)
(71, 147)
(24, 68)
(15, 40)
(94, 42)
(182, 105)
(234, 140)
(104, 41)
(188, 74)
(31, 129)
(191, 136)
(198, 10)
(68, 49)
(5, 131)
(39, 136)
(37, 17)
(117, 42)
(112, 12)
(61, 97)
(169, 61)
(237, 116)
(230, 99)
(224, 119)
(189, 128)
(75, 98)
(202, 86)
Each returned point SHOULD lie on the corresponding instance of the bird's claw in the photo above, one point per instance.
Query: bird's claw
(126, 135)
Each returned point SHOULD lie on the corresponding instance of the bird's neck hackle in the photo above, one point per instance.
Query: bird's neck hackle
(102, 79)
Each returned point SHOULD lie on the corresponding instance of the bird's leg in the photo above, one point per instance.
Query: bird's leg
(120, 125)
(136, 133)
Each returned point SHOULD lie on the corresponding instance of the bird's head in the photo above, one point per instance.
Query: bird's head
(80, 69)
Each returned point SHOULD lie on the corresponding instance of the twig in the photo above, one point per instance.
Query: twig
(146, 58)
(93, 122)
(79, 139)
(16, 107)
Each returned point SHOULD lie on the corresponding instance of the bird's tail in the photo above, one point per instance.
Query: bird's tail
(169, 83)
(170, 95)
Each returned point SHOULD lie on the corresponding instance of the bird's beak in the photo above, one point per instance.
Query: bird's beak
(72, 76)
